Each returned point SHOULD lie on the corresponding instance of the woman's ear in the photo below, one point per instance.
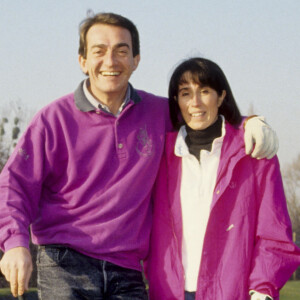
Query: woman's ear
(221, 98)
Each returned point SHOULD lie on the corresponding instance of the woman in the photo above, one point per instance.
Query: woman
(221, 229)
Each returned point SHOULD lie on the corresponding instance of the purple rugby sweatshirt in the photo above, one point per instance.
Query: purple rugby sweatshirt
(82, 178)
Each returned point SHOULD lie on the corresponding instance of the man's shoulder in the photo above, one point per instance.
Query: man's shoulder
(65, 102)
(153, 103)
(57, 109)
(150, 96)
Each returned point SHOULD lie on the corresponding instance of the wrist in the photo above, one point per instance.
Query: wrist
(247, 119)
(259, 296)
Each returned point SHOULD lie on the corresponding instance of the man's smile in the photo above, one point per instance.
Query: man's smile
(106, 73)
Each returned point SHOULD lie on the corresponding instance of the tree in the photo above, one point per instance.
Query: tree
(291, 178)
(13, 119)
(5, 146)
(3, 149)
(11, 127)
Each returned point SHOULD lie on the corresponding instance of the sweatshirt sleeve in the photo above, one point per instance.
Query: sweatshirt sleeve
(275, 256)
(20, 188)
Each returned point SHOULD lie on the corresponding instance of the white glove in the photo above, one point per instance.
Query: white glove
(258, 296)
(258, 132)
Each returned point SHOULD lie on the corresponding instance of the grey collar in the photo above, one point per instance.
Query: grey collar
(85, 105)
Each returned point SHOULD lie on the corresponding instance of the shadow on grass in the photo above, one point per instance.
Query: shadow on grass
(6, 295)
(291, 291)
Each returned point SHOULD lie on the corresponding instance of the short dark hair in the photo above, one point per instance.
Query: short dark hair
(207, 73)
(108, 19)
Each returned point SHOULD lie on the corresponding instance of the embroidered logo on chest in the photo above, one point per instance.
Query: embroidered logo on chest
(144, 146)
(23, 153)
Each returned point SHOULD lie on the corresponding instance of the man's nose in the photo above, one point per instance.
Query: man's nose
(109, 58)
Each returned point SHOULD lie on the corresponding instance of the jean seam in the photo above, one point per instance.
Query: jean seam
(104, 276)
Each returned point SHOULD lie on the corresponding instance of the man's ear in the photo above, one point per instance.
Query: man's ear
(136, 61)
(82, 63)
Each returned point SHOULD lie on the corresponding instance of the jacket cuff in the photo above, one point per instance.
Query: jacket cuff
(18, 240)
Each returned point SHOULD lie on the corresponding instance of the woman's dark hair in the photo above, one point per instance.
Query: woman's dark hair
(206, 73)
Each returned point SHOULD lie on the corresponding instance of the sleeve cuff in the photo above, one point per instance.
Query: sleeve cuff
(16, 241)
(259, 296)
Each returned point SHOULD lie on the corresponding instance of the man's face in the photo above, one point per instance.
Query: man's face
(109, 61)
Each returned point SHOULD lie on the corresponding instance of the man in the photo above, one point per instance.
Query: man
(82, 176)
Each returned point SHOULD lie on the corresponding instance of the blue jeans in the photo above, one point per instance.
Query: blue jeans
(64, 274)
(189, 295)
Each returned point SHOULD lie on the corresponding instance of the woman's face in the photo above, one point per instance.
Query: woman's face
(198, 104)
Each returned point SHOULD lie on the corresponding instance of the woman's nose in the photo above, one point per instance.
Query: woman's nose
(196, 100)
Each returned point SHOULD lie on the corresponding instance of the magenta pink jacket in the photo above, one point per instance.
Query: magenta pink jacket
(248, 242)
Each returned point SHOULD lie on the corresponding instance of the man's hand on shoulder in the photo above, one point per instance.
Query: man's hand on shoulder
(258, 132)
(16, 266)
(258, 296)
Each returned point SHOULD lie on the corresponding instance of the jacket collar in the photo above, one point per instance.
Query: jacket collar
(233, 150)
(83, 104)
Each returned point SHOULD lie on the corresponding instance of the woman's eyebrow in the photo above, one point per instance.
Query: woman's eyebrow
(183, 88)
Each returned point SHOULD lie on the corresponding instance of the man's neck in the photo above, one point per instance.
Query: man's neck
(112, 100)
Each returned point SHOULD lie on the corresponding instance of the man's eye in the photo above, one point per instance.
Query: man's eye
(99, 52)
(122, 52)
(204, 92)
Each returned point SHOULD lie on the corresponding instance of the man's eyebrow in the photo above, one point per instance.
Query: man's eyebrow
(99, 46)
(119, 45)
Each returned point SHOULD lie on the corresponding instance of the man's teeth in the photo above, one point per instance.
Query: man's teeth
(110, 73)
(198, 114)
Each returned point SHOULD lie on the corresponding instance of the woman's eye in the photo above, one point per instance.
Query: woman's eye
(184, 94)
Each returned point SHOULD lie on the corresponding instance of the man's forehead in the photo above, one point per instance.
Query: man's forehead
(103, 34)
(111, 30)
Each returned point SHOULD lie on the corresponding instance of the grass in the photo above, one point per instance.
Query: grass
(291, 291)
(6, 292)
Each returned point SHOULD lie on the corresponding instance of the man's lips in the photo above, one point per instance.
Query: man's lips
(107, 73)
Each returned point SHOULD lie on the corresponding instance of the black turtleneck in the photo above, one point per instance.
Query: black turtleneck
(197, 140)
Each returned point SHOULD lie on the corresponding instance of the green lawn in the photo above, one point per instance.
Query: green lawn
(4, 292)
(291, 291)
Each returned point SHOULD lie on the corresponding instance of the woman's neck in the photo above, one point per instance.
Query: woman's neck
(198, 140)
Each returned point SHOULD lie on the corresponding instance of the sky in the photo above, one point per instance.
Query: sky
(256, 43)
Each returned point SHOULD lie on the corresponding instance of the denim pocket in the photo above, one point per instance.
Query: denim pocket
(51, 256)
